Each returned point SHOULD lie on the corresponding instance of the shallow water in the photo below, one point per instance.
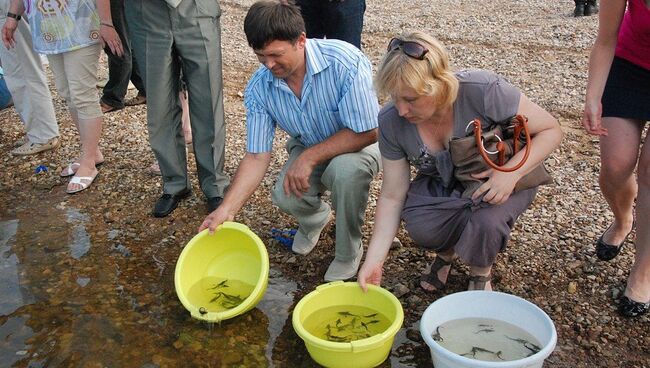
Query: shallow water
(77, 294)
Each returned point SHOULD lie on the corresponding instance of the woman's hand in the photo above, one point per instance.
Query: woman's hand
(498, 187)
(108, 37)
(370, 273)
(8, 31)
(591, 118)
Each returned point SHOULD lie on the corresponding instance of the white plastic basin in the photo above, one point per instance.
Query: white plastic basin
(488, 304)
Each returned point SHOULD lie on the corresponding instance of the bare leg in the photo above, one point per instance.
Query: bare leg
(443, 272)
(90, 131)
(99, 157)
(638, 284)
(618, 157)
(480, 271)
(187, 128)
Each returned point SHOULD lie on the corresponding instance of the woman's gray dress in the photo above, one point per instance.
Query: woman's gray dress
(435, 214)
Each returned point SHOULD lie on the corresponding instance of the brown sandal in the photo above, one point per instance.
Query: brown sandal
(137, 100)
(106, 108)
(480, 281)
(431, 278)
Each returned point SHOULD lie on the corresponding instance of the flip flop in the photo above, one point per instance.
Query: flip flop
(80, 180)
(72, 168)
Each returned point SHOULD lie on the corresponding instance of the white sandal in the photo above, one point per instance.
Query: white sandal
(79, 180)
(72, 168)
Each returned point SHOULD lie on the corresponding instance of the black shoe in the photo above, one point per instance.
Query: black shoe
(579, 11)
(213, 203)
(629, 308)
(607, 252)
(167, 203)
(591, 8)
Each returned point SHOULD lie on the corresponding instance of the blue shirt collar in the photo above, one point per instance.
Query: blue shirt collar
(315, 61)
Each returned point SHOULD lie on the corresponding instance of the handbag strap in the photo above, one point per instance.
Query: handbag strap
(520, 123)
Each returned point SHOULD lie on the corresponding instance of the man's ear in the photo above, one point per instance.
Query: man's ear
(302, 40)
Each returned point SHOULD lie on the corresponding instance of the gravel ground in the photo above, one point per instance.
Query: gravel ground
(550, 260)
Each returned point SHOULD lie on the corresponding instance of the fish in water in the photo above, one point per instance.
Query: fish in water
(477, 349)
(436, 336)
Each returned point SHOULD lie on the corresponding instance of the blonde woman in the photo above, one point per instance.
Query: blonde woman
(430, 105)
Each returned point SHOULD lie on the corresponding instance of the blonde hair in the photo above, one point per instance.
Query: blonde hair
(431, 76)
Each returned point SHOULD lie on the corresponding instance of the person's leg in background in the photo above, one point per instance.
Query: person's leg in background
(345, 20)
(315, 19)
(120, 68)
(31, 95)
(341, 20)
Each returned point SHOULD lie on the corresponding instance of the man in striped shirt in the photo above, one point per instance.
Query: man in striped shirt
(320, 93)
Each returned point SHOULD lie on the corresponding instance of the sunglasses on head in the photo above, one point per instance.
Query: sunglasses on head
(410, 48)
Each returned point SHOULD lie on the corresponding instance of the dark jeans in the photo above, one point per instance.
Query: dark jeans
(121, 69)
(339, 19)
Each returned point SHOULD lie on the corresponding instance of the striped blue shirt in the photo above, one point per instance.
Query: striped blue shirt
(337, 93)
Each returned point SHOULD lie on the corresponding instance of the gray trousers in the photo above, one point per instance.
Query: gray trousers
(27, 83)
(348, 178)
(166, 40)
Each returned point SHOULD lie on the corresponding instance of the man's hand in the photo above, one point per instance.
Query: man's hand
(296, 179)
(497, 188)
(8, 33)
(216, 218)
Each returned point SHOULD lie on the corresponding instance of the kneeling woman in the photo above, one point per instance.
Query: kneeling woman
(430, 105)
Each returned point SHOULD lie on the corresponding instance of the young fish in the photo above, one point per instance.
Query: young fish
(347, 314)
(219, 285)
(477, 349)
(436, 336)
(486, 330)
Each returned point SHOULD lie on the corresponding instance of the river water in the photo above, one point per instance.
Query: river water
(72, 295)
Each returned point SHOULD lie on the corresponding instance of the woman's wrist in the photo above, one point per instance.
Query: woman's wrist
(106, 24)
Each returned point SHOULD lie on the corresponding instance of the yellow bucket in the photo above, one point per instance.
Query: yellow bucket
(367, 352)
(209, 267)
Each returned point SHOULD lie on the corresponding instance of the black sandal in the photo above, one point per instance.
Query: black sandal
(607, 252)
(431, 278)
(480, 280)
(629, 308)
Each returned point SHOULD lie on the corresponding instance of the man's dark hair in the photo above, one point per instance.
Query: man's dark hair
(272, 20)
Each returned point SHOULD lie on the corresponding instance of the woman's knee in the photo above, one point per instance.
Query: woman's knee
(616, 170)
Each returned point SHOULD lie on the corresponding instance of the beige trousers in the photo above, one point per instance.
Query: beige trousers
(27, 83)
(75, 76)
